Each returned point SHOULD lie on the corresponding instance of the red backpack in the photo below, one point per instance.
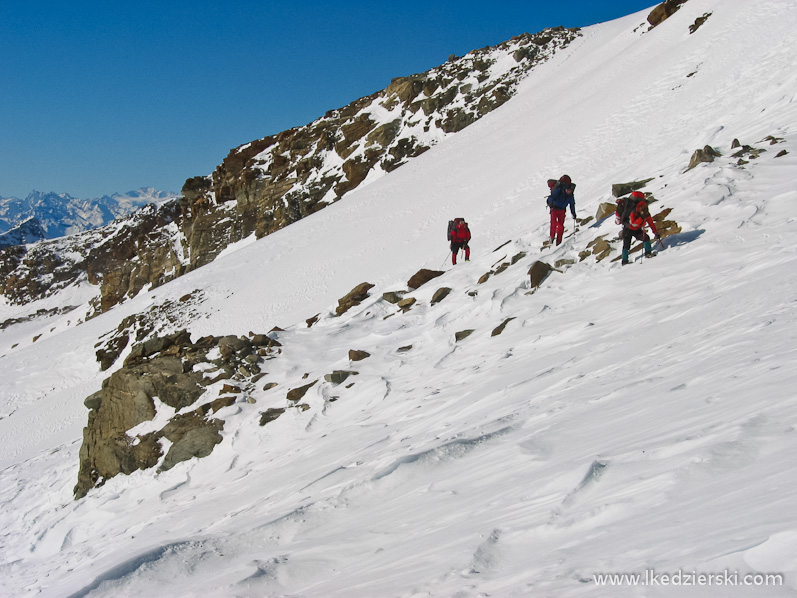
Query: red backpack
(452, 225)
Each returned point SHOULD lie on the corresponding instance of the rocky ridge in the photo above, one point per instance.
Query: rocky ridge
(269, 183)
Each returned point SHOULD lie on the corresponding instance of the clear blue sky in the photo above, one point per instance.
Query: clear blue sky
(108, 96)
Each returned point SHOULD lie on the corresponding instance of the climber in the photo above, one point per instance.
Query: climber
(634, 226)
(561, 197)
(459, 236)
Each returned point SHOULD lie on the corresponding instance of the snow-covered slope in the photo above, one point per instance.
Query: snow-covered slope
(626, 420)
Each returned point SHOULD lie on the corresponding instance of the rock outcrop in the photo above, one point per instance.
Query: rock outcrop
(165, 372)
(422, 276)
(354, 297)
(706, 154)
(664, 11)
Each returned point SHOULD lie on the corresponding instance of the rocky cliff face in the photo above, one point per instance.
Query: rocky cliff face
(274, 181)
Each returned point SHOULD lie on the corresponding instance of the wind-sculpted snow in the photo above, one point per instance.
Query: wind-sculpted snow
(626, 419)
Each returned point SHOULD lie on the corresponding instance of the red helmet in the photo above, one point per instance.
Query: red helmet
(565, 180)
(638, 195)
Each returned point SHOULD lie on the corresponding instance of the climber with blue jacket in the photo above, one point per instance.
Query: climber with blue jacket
(561, 197)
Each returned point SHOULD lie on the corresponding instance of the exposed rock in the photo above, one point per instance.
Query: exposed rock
(392, 296)
(749, 152)
(562, 262)
(707, 154)
(666, 227)
(338, 376)
(620, 189)
(699, 22)
(463, 334)
(137, 328)
(220, 403)
(404, 349)
(161, 369)
(191, 436)
(484, 277)
(599, 247)
(538, 272)
(664, 11)
(297, 393)
(269, 415)
(93, 401)
(422, 276)
(406, 304)
(313, 320)
(500, 328)
(605, 210)
(355, 355)
(440, 294)
(354, 297)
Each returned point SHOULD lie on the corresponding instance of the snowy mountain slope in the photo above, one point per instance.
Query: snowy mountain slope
(628, 418)
(61, 214)
(29, 231)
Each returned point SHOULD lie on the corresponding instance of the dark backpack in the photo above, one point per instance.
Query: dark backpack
(452, 224)
(625, 206)
(555, 185)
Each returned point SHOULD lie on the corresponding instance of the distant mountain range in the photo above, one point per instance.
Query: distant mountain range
(52, 215)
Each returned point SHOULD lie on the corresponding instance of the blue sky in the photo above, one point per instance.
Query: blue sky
(109, 96)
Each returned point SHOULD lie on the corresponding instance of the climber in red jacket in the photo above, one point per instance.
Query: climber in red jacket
(459, 240)
(635, 228)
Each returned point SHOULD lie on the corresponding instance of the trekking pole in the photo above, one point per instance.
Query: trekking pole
(661, 243)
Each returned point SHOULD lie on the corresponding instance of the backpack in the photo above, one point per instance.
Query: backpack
(452, 224)
(557, 188)
(629, 204)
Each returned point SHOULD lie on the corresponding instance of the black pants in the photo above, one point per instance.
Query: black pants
(455, 247)
(638, 234)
